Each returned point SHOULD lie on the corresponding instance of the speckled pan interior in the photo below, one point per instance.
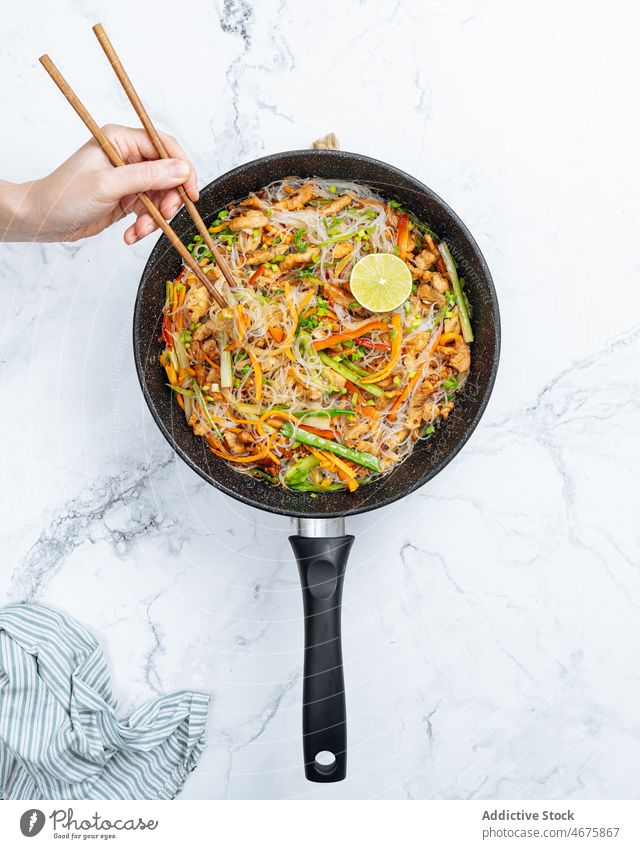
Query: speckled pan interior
(429, 457)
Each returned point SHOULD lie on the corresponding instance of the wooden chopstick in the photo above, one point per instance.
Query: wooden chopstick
(117, 160)
(147, 123)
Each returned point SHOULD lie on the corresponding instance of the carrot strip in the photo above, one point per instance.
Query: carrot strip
(277, 334)
(405, 392)
(341, 265)
(283, 414)
(392, 414)
(257, 372)
(256, 274)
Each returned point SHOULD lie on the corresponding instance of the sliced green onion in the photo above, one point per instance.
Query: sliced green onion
(350, 374)
(226, 370)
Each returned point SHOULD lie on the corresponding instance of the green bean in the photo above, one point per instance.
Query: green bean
(362, 458)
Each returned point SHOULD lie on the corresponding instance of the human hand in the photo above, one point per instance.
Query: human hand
(86, 193)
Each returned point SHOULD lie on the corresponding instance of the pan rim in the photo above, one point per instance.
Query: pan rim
(378, 502)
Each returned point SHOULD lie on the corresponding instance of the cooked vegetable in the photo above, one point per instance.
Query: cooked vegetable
(461, 301)
(349, 373)
(359, 457)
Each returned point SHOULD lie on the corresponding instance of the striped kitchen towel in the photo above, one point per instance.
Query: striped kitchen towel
(60, 734)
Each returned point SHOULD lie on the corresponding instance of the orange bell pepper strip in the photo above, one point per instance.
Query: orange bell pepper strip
(396, 349)
(217, 449)
(338, 338)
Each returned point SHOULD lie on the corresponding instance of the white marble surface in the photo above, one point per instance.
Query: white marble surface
(492, 619)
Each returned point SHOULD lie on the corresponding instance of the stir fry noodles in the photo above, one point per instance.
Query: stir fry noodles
(295, 382)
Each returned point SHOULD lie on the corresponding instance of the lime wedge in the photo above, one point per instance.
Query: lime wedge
(380, 282)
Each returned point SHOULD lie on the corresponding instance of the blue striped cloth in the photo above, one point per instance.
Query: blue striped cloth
(60, 735)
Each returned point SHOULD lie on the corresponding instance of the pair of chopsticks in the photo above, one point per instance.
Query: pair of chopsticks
(117, 160)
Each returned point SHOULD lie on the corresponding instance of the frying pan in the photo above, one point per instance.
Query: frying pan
(321, 546)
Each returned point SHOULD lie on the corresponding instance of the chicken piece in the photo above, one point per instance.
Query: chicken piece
(341, 250)
(398, 437)
(445, 409)
(338, 294)
(291, 260)
(452, 325)
(417, 343)
(204, 331)
(201, 373)
(337, 205)
(197, 302)
(414, 414)
(428, 294)
(365, 445)
(248, 242)
(253, 202)
(389, 460)
(355, 432)
(211, 379)
(439, 283)
(300, 199)
(461, 360)
(337, 380)
(210, 348)
(199, 428)
(258, 257)
(430, 412)
(416, 305)
(251, 220)
(313, 394)
(213, 273)
(424, 260)
(237, 442)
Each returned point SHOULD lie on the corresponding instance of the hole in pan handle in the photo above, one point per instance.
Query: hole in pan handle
(321, 563)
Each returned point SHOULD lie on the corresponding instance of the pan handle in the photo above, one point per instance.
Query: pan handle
(321, 563)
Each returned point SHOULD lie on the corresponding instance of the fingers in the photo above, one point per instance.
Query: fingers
(175, 150)
(143, 226)
(170, 204)
(136, 146)
(117, 183)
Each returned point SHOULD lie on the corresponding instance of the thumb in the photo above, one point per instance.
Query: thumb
(145, 176)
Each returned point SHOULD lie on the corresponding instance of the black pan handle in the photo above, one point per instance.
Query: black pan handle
(321, 563)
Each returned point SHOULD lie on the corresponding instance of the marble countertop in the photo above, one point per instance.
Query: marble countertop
(491, 620)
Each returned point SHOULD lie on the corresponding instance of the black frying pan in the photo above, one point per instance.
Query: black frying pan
(321, 547)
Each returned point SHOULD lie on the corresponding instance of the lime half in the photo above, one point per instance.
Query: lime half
(380, 282)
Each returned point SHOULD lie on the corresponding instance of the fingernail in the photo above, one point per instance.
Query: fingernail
(180, 170)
